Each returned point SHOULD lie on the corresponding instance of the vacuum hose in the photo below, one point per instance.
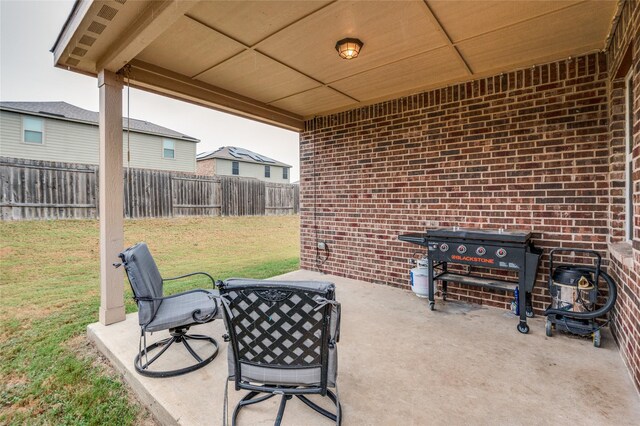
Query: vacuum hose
(611, 300)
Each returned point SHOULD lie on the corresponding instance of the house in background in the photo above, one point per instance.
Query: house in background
(58, 131)
(232, 161)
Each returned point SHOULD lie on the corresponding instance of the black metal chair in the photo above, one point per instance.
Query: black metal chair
(283, 337)
(175, 313)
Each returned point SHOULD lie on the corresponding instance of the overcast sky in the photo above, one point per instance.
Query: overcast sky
(28, 30)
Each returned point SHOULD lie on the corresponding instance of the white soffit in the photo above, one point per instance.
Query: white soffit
(188, 48)
(255, 75)
(570, 31)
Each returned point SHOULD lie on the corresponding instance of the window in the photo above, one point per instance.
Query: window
(285, 173)
(168, 148)
(267, 171)
(33, 130)
(628, 158)
(235, 168)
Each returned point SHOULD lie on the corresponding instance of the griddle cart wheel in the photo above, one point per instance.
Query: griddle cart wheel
(432, 305)
(523, 328)
(596, 338)
(549, 328)
(529, 312)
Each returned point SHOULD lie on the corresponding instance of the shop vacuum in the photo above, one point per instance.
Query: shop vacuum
(574, 293)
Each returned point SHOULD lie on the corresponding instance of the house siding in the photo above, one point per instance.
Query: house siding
(72, 142)
(223, 167)
(63, 141)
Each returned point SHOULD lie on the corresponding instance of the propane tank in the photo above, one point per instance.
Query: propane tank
(419, 277)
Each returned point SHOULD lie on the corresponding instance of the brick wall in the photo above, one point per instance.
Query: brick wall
(526, 149)
(623, 54)
(206, 167)
(538, 148)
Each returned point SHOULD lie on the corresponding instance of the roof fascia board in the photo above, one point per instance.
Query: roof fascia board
(79, 11)
(91, 123)
(155, 79)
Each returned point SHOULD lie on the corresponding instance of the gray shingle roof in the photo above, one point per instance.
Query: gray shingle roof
(240, 154)
(65, 111)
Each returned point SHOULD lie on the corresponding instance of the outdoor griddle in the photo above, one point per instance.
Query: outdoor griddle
(488, 248)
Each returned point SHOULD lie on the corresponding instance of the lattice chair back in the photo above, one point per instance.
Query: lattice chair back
(282, 333)
(145, 280)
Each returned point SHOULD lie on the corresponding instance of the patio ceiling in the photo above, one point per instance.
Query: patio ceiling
(275, 61)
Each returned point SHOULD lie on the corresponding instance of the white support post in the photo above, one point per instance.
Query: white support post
(111, 198)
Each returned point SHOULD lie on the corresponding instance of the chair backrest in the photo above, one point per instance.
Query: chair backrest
(280, 325)
(144, 278)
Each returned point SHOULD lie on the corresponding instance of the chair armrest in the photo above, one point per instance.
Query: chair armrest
(213, 282)
(197, 290)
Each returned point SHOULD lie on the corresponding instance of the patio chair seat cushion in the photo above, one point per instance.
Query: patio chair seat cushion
(287, 376)
(178, 311)
(284, 376)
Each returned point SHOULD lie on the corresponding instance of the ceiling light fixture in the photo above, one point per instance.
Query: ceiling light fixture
(349, 48)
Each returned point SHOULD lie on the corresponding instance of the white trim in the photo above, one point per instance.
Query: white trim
(23, 129)
(628, 157)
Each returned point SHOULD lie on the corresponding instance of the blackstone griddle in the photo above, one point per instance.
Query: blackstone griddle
(505, 249)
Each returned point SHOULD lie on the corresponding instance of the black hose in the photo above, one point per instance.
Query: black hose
(611, 300)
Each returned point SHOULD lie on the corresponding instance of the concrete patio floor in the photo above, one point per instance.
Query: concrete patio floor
(400, 363)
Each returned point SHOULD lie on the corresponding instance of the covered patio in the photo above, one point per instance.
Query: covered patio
(517, 115)
(402, 363)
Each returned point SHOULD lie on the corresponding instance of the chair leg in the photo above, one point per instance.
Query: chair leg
(321, 410)
(191, 351)
(165, 344)
(283, 404)
(177, 335)
(248, 399)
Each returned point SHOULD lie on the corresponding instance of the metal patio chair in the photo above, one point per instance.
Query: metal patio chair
(175, 313)
(283, 337)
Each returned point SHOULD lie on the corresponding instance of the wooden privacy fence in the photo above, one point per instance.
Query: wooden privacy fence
(32, 189)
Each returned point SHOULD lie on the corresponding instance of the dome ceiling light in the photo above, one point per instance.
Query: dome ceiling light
(349, 48)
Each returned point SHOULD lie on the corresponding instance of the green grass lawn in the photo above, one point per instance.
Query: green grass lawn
(49, 292)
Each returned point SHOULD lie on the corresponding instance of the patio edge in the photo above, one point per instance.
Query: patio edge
(142, 394)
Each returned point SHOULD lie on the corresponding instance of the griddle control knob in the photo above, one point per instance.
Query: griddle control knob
(444, 247)
(480, 251)
(462, 249)
(501, 253)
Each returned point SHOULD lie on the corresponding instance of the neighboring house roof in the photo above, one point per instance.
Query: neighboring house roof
(68, 112)
(240, 154)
